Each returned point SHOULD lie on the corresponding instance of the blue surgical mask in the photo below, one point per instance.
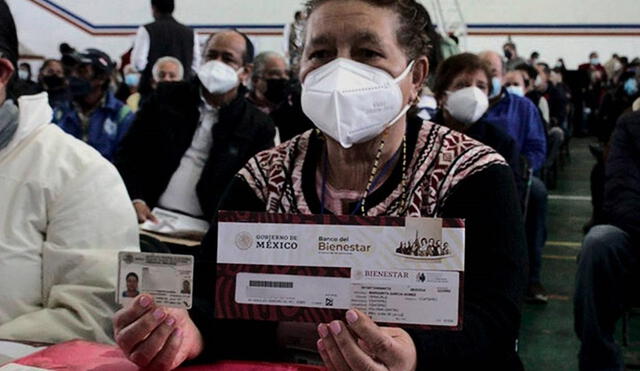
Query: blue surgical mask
(496, 86)
(132, 79)
(516, 90)
(631, 86)
(594, 61)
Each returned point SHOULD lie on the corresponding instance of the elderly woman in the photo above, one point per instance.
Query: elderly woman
(363, 64)
(461, 88)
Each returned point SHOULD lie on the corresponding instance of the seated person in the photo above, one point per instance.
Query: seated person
(607, 276)
(558, 102)
(521, 120)
(130, 87)
(190, 138)
(461, 88)
(616, 101)
(515, 83)
(274, 93)
(381, 45)
(268, 81)
(94, 115)
(556, 78)
(53, 81)
(558, 112)
(64, 213)
(25, 79)
(166, 69)
(526, 76)
(516, 115)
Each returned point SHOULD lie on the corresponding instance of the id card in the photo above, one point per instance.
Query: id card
(167, 277)
(311, 268)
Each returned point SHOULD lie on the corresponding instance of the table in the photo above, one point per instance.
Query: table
(79, 355)
(173, 240)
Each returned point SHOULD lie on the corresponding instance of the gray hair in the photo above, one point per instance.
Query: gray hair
(260, 61)
(155, 71)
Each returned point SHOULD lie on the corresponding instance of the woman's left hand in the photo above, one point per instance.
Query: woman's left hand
(361, 345)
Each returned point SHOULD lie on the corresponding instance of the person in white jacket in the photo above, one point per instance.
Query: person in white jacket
(64, 215)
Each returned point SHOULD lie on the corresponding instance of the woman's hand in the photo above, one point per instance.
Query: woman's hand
(362, 345)
(154, 337)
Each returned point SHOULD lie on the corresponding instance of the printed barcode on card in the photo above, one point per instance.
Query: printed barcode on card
(276, 284)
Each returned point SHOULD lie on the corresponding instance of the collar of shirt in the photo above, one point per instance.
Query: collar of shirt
(209, 114)
(205, 106)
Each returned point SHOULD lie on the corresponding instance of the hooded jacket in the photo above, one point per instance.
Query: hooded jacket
(64, 215)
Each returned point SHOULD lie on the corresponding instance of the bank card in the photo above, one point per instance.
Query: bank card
(311, 268)
(167, 277)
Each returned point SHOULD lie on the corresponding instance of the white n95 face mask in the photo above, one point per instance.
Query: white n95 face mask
(352, 102)
(218, 77)
(467, 105)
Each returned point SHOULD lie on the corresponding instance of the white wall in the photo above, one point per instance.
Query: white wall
(574, 50)
(41, 30)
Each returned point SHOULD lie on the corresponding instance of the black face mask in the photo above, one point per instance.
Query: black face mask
(277, 90)
(79, 87)
(53, 81)
(507, 53)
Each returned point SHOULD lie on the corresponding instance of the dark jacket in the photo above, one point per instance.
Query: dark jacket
(622, 172)
(289, 117)
(163, 132)
(558, 101)
(167, 37)
(614, 104)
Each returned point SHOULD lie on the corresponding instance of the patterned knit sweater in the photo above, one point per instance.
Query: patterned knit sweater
(448, 175)
(439, 158)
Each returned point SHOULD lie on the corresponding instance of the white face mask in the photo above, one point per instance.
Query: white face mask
(218, 77)
(617, 66)
(538, 82)
(352, 102)
(23, 75)
(467, 105)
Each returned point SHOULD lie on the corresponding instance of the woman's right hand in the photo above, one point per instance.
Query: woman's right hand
(154, 337)
(143, 212)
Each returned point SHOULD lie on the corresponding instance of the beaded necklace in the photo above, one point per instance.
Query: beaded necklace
(373, 178)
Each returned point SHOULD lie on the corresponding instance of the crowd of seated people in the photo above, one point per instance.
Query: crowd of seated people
(89, 147)
(608, 261)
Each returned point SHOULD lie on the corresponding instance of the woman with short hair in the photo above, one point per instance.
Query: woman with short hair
(461, 88)
(363, 65)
